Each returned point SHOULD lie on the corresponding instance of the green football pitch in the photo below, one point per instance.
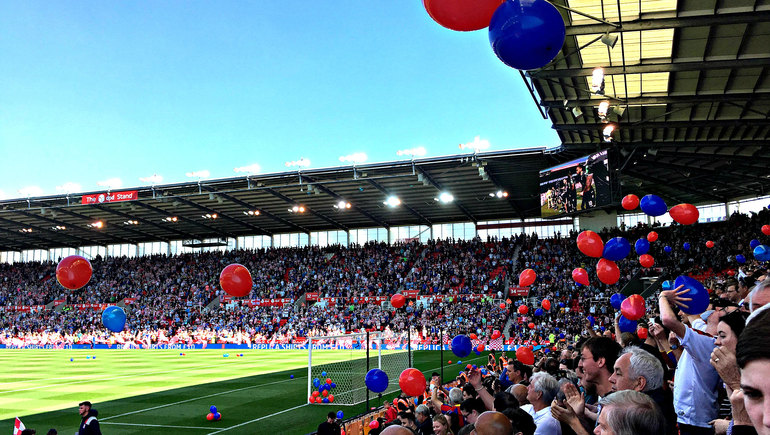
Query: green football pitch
(160, 391)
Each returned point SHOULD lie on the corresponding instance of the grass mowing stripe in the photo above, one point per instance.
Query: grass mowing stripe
(101, 422)
(260, 418)
(194, 399)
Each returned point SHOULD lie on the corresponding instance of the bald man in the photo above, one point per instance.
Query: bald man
(520, 393)
(493, 423)
(396, 430)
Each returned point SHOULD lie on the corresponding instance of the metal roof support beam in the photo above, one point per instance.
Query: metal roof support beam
(146, 222)
(666, 124)
(313, 212)
(554, 103)
(414, 212)
(260, 231)
(681, 167)
(165, 213)
(25, 235)
(440, 189)
(755, 62)
(334, 195)
(650, 23)
(248, 206)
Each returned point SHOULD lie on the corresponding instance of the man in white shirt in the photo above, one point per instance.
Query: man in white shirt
(541, 391)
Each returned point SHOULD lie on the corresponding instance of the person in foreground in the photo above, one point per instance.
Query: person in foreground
(751, 403)
(89, 425)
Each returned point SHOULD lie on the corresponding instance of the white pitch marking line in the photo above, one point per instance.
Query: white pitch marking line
(194, 399)
(158, 425)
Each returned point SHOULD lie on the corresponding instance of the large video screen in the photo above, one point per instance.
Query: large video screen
(580, 185)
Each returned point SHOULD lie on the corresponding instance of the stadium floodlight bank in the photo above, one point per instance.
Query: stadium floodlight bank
(390, 353)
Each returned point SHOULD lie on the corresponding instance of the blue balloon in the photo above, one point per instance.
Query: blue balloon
(483, 371)
(71, 360)
(667, 285)
(291, 376)
(616, 249)
(213, 409)
(227, 355)
(740, 258)
(539, 312)
(88, 357)
(477, 352)
(333, 385)
(561, 335)
(546, 350)
(417, 401)
(667, 249)
(626, 325)
(217, 416)
(603, 328)
(474, 367)
(642, 246)
(376, 380)
(592, 320)
(616, 300)
(316, 382)
(762, 253)
(754, 243)
(459, 362)
(323, 374)
(698, 294)
(114, 318)
(561, 305)
(653, 205)
(461, 346)
(526, 34)
(326, 400)
(340, 414)
(686, 246)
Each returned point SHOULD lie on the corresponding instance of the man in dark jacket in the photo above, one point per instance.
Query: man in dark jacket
(89, 425)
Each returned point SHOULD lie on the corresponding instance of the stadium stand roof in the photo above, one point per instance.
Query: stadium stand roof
(688, 92)
(687, 83)
(35, 223)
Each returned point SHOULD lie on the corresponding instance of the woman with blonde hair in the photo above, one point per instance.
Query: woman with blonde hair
(441, 425)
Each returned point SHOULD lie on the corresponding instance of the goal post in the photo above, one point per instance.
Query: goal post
(337, 365)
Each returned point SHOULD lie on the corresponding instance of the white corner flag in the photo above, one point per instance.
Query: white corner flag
(18, 426)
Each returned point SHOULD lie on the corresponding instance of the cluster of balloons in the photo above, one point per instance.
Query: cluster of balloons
(524, 34)
(653, 205)
(213, 414)
(323, 395)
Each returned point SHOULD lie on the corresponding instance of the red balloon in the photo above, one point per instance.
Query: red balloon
(473, 336)
(652, 236)
(496, 334)
(525, 356)
(319, 400)
(412, 382)
(642, 333)
(685, 214)
(235, 280)
(328, 381)
(546, 304)
(709, 244)
(766, 230)
(630, 202)
(73, 272)
(315, 393)
(374, 424)
(580, 276)
(607, 271)
(531, 325)
(502, 306)
(397, 300)
(527, 277)
(325, 393)
(731, 272)
(331, 398)
(646, 260)
(632, 307)
(523, 309)
(462, 15)
(481, 347)
(310, 399)
(469, 366)
(590, 244)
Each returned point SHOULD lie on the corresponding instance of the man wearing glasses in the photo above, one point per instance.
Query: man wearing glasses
(730, 292)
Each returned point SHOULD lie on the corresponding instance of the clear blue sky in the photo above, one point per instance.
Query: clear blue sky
(93, 90)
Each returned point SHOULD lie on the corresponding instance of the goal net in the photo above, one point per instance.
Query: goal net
(337, 365)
